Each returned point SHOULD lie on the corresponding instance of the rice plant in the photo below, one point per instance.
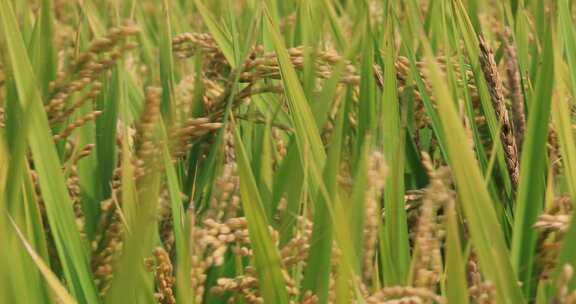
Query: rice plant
(283, 151)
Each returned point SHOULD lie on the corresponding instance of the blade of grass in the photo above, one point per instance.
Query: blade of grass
(58, 204)
(53, 281)
(456, 288)
(266, 256)
(166, 65)
(532, 174)
(307, 138)
(317, 277)
(182, 253)
(397, 256)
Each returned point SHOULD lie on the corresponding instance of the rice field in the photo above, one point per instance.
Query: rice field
(287, 151)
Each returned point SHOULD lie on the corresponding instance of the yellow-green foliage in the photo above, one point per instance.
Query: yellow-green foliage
(283, 151)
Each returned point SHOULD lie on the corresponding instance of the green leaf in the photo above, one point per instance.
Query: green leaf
(182, 253)
(167, 65)
(396, 256)
(307, 138)
(266, 256)
(57, 287)
(317, 275)
(456, 287)
(54, 192)
(532, 185)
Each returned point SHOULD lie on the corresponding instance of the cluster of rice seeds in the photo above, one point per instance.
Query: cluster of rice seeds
(164, 277)
(295, 252)
(92, 92)
(211, 241)
(214, 62)
(60, 9)
(515, 88)
(564, 295)
(246, 286)
(309, 298)
(480, 291)
(265, 65)
(77, 124)
(166, 221)
(402, 66)
(199, 263)
(250, 91)
(65, 13)
(294, 255)
(280, 144)
(404, 295)
(217, 95)
(213, 94)
(65, 42)
(413, 199)
(184, 92)
(287, 22)
(261, 65)
(225, 200)
(495, 89)
(182, 137)
(79, 83)
(427, 259)
(107, 244)
(220, 227)
(552, 225)
(335, 258)
(376, 180)
(146, 156)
